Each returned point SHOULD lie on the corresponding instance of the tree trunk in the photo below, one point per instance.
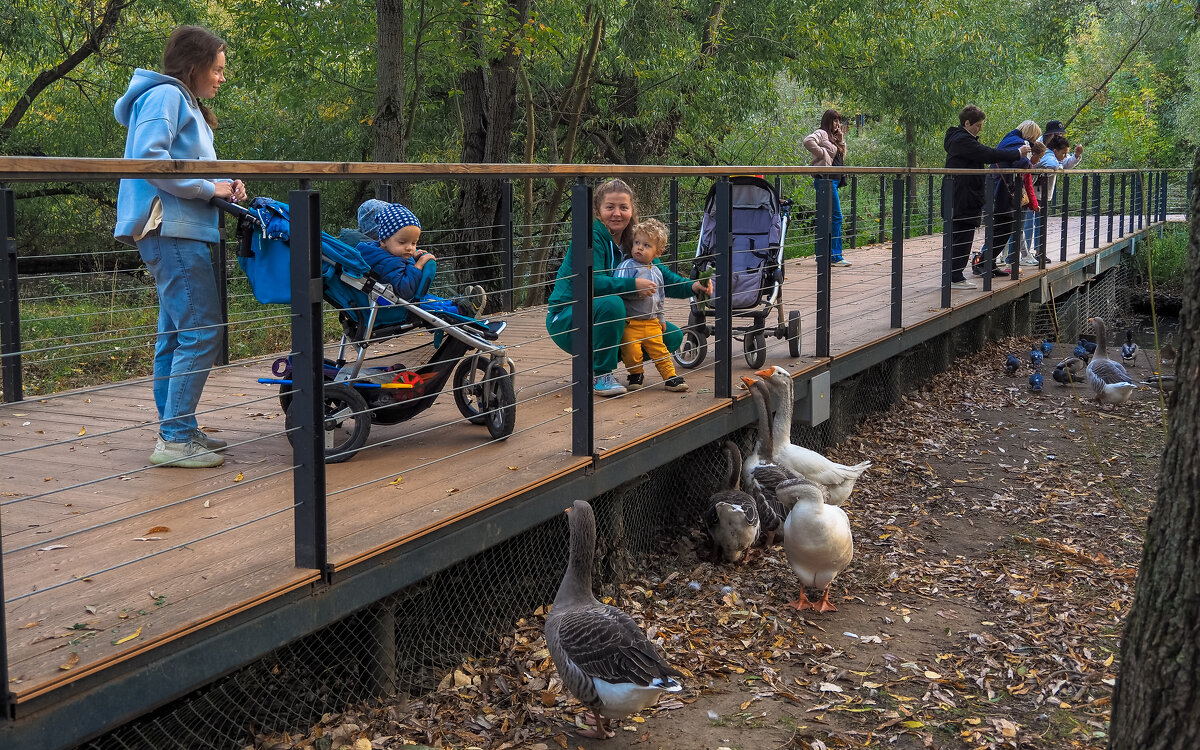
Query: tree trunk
(1157, 698)
(489, 106)
(387, 127)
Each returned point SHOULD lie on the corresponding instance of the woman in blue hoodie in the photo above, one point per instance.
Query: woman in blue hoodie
(172, 223)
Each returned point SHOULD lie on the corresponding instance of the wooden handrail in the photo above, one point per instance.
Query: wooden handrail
(56, 168)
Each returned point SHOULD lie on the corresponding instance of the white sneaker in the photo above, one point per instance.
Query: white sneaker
(964, 284)
(1029, 261)
(188, 454)
(841, 263)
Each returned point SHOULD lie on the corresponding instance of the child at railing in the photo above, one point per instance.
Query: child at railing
(399, 262)
(645, 316)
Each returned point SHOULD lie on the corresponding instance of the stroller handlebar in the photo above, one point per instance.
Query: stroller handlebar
(229, 208)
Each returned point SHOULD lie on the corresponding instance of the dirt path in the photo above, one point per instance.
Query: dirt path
(997, 538)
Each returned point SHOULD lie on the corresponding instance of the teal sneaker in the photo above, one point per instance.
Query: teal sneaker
(607, 386)
(188, 454)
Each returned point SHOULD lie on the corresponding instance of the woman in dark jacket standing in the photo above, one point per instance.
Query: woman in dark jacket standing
(964, 151)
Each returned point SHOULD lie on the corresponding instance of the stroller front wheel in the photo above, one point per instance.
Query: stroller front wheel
(755, 346)
(501, 400)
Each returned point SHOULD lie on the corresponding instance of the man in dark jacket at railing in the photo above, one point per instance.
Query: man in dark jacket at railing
(964, 151)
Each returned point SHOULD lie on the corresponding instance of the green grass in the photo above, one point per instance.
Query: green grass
(80, 337)
(1164, 260)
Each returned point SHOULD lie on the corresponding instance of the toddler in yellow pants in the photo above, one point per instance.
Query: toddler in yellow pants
(645, 316)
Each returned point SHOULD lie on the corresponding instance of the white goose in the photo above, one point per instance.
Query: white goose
(732, 516)
(837, 479)
(817, 540)
(1110, 382)
(602, 656)
(760, 474)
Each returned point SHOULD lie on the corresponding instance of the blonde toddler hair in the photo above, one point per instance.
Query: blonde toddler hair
(655, 231)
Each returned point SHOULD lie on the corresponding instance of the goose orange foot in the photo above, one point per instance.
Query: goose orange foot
(598, 727)
(824, 605)
(802, 602)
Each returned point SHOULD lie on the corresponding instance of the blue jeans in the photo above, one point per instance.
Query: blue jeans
(835, 247)
(189, 329)
(1033, 226)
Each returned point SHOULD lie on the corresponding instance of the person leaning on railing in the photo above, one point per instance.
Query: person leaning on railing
(172, 223)
(612, 238)
(964, 151)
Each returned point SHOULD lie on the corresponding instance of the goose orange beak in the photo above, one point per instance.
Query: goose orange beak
(765, 373)
(748, 381)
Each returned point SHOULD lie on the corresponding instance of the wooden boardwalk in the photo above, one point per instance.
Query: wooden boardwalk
(106, 558)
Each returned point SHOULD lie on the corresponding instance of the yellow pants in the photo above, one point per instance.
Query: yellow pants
(645, 336)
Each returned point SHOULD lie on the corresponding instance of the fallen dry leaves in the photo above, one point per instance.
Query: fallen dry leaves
(997, 538)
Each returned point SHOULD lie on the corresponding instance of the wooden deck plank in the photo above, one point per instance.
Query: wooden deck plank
(446, 467)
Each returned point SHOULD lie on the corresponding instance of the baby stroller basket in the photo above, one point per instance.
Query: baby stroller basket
(356, 396)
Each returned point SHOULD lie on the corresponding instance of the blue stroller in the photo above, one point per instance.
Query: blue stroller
(355, 395)
(758, 225)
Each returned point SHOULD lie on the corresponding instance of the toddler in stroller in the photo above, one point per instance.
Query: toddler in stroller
(371, 311)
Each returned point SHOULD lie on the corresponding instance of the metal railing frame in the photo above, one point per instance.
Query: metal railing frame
(310, 515)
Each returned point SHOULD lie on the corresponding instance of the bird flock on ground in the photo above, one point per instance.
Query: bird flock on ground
(778, 493)
(1107, 378)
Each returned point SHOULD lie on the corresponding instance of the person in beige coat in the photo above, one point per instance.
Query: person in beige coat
(827, 144)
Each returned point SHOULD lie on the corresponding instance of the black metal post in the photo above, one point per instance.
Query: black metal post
(308, 402)
(824, 259)
(882, 208)
(1083, 214)
(582, 427)
(1042, 222)
(1112, 184)
(947, 237)
(673, 219)
(1095, 211)
(897, 257)
(220, 267)
(854, 208)
(1066, 216)
(1162, 201)
(989, 230)
(1138, 190)
(383, 191)
(723, 247)
(10, 311)
(929, 212)
(508, 243)
(1121, 220)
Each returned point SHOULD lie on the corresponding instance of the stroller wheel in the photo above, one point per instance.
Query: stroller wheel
(693, 349)
(347, 422)
(755, 346)
(469, 390)
(501, 401)
(793, 333)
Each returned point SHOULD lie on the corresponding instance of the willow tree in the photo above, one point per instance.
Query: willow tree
(1157, 698)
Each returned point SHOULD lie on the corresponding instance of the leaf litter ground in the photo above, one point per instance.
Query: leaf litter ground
(996, 543)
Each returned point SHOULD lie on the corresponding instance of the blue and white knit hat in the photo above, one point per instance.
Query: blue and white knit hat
(367, 213)
(394, 218)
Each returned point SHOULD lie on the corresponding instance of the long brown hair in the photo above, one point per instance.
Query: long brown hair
(617, 185)
(829, 122)
(190, 51)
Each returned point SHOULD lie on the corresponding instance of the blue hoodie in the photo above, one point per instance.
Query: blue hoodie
(165, 122)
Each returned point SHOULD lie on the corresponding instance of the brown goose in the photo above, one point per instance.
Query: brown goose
(602, 656)
(732, 515)
(1110, 382)
(760, 474)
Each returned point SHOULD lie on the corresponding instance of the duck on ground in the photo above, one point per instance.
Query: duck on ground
(732, 516)
(1108, 379)
(817, 541)
(761, 476)
(1081, 352)
(1035, 382)
(1166, 355)
(601, 654)
(837, 479)
(1012, 364)
(1036, 355)
(1070, 370)
(1129, 349)
(1165, 383)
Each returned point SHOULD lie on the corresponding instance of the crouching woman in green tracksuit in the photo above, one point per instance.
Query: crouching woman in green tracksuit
(616, 212)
